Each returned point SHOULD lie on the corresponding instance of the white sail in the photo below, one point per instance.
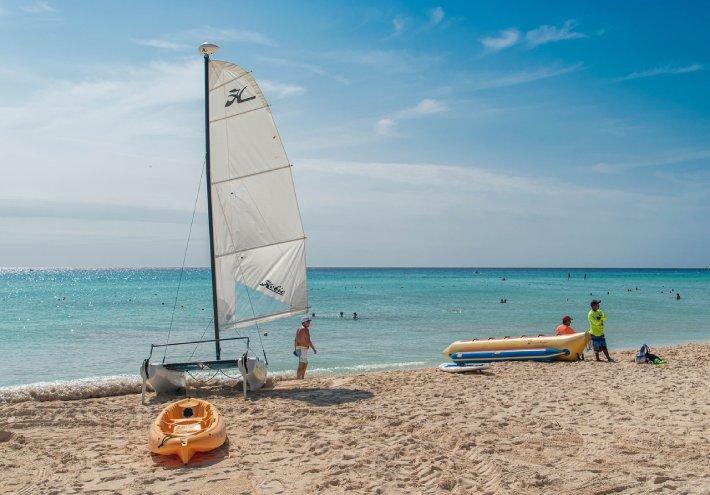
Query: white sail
(259, 243)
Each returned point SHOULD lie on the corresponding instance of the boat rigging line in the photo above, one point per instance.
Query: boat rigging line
(184, 258)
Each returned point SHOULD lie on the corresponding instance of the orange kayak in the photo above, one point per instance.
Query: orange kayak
(186, 427)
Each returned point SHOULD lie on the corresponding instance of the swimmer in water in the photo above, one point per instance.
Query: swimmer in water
(354, 316)
(341, 314)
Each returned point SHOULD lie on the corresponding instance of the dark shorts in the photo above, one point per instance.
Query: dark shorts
(598, 343)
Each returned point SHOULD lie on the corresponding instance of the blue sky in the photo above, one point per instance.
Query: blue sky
(422, 134)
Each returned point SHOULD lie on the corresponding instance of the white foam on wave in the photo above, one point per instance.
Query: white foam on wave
(83, 388)
(111, 386)
(95, 387)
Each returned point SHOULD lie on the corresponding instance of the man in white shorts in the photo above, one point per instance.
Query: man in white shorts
(301, 344)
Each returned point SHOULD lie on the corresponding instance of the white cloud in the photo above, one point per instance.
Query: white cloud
(114, 168)
(123, 137)
(435, 16)
(280, 90)
(469, 216)
(191, 38)
(535, 37)
(39, 8)
(659, 71)
(387, 126)
(489, 81)
(427, 106)
(162, 44)
(309, 67)
(384, 60)
(230, 34)
(548, 34)
(399, 25)
(505, 39)
(665, 158)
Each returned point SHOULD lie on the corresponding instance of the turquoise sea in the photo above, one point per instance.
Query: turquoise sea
(68, 324)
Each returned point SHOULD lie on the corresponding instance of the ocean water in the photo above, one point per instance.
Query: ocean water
(67, 324)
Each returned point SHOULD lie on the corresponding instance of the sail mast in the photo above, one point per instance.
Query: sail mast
(208, 49)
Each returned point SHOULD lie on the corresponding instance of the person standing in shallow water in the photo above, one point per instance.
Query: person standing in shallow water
(301, 344)
(596, 319)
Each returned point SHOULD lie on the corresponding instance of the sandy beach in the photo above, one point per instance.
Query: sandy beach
(582, 427)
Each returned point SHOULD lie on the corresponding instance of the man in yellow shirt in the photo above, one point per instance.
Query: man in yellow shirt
(596, 319)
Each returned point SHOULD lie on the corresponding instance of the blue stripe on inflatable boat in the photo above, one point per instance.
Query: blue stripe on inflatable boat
(540, 354)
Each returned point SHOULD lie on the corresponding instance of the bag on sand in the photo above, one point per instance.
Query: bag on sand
(641, 355)
(645, 356)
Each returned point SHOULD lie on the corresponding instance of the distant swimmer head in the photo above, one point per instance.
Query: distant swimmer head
(595, 303)
(566, 319)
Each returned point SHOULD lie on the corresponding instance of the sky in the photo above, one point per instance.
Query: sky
(553, 134)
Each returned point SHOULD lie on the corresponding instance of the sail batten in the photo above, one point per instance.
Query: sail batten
(264, 319)
(230, 116)
(259, 242)
(267, 245)
(249, 175)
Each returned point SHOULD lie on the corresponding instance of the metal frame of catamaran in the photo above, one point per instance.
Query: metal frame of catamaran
(282, 254)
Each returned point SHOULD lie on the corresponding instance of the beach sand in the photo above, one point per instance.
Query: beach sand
(578, 428)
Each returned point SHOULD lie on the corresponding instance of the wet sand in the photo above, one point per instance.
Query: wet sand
(577, 428)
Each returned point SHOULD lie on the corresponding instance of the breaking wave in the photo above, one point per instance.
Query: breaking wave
(83, 388)
(90, 388)
(109, 386)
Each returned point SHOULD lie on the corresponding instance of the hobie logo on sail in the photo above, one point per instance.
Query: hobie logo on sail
(273, 288)
(236, 95)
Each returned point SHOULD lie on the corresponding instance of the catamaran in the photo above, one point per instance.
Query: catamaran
(257, 242)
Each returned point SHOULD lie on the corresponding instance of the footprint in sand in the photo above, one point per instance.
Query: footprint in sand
(41, 475)
(271, 486)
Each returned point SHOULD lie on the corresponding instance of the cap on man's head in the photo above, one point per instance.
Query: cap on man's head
(305, 319)
(566, 318)
(595, 302)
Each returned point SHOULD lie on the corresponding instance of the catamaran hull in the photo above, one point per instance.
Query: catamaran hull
(170, 378)
(162, 380)
(561, 348)
(255, 372)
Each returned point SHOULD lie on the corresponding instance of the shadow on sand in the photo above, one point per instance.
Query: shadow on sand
(315, 396)
(322, 397)
(204, 393)
(200, 459)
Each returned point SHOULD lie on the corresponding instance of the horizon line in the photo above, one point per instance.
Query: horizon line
(365, 267)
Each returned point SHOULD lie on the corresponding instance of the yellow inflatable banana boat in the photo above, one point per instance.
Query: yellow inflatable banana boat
(540, 348)
(185, 428)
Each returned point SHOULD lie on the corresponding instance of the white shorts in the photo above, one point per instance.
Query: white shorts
(302, 353)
